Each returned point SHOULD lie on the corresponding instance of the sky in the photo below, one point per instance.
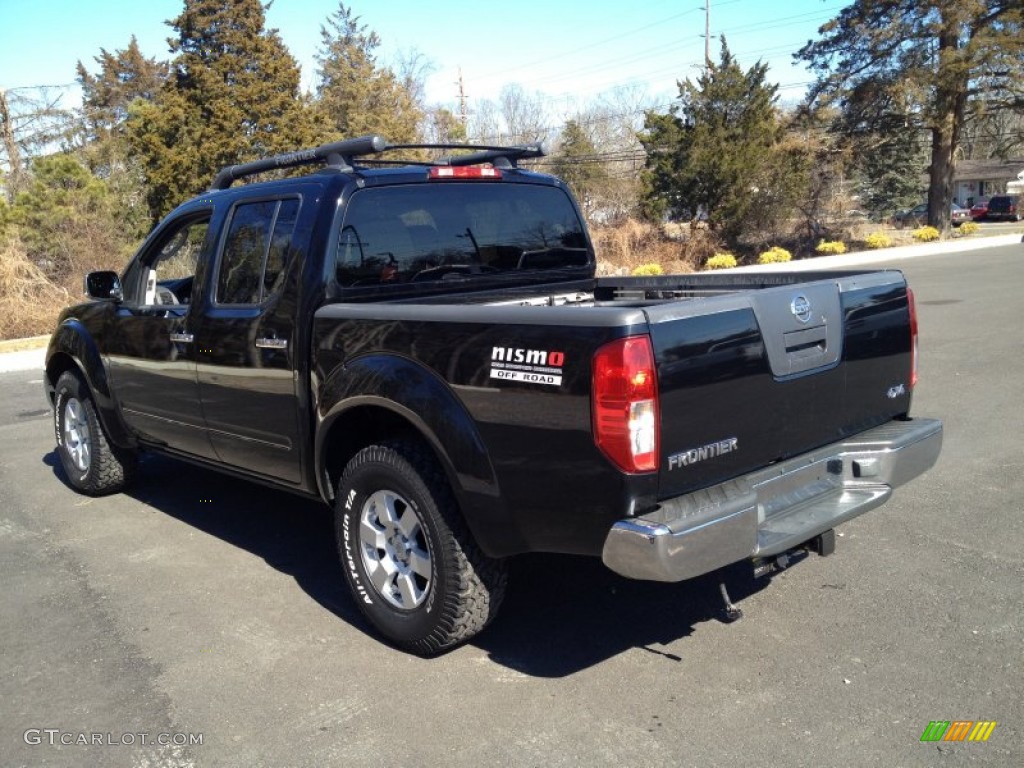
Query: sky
(573, 52)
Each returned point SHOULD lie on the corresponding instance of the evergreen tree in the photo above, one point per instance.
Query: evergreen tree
(927, 62)
(357, 96)
(68, 220)
(889, 166)
(124, 76)
(232, 96)
(441, 126)
(712, 154)
(579, 164)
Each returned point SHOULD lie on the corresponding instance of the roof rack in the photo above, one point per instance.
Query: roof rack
(340, 154)
(500, 157)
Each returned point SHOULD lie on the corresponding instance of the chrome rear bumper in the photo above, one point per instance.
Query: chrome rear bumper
(774, 509)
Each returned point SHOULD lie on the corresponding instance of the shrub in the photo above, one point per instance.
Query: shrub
(877, 240)
(831, 247)
(721, 261)
(648, 269)
(29, 301)
(926, 234)
(969, 228)
(629, 244)
(774, 255)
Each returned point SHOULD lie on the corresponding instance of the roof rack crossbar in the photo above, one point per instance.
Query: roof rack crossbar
(336, 154)
(339, 154)
(502, 157)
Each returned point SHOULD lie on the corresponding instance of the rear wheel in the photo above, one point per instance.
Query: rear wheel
(409, 560)
(91, 464)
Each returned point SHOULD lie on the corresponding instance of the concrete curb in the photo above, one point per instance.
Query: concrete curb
(23, 360)
(884, 255)
(17, 345)
(29, 354)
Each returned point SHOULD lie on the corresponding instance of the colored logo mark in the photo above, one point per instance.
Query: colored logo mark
(958, 730)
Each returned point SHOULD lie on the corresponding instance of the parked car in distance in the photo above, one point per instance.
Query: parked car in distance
(918, 216)
(1004, 207)
(979, 209)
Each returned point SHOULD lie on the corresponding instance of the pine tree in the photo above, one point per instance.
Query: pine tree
(68, 220)
(124, 76)
(442, 126)
(232, 96)
(357, 96)
(711, 155)
(579, 164)
(889, 166)
(929, 62)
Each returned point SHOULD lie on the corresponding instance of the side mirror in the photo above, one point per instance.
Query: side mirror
(103, 285)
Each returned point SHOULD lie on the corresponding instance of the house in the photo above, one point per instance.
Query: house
(974, 179)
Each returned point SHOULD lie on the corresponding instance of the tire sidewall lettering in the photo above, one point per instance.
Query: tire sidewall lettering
(58, 416)
(60, 401)
(353, 563)
(369, 479)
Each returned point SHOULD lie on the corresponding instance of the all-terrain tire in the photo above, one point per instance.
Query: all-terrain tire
(92, 465)
(412, 566)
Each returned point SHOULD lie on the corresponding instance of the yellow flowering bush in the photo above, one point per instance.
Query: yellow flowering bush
(969, 228)
(774, 255)
(831, 247)
(645, 270)
(926, 234)
(721, 261)
(878, 240)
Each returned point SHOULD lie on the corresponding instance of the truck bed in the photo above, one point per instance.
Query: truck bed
(735, 368)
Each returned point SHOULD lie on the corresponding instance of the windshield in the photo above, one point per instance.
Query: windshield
(451, 230)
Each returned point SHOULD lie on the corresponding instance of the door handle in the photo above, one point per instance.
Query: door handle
(182, 338)
(272, 343)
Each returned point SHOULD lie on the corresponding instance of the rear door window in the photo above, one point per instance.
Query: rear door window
(253, 261)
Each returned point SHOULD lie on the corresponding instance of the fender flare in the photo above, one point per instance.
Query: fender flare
(422, 399)
(72, 341)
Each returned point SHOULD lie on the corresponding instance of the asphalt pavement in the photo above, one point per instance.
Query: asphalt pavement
(198, 608)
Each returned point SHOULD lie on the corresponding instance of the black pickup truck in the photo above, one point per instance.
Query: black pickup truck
(424, 346)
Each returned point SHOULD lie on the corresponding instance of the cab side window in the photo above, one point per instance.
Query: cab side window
(256, 249)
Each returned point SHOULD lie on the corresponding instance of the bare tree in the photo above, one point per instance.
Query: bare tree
(31, 121)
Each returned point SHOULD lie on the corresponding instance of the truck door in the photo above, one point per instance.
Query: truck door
(151, 350)
(247, 363)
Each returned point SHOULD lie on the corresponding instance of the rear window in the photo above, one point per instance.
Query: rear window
(451, 230)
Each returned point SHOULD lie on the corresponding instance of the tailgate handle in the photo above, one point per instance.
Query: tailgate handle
(807, 342)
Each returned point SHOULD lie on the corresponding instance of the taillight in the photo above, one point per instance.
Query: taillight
(913, 338)
(463, 172)
(625, 404)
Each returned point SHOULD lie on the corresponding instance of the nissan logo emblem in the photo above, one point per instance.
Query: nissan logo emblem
(801, 308)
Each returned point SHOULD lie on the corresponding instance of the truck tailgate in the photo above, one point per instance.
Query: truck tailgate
(751, 378)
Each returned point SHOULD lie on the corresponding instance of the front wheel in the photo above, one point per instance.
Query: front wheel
(409, 560)
(91, 464)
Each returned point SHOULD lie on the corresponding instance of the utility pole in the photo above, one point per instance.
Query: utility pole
(707, 36)
(463, 111)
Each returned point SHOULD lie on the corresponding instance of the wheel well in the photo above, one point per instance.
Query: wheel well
(358, 428)
(58, 364)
